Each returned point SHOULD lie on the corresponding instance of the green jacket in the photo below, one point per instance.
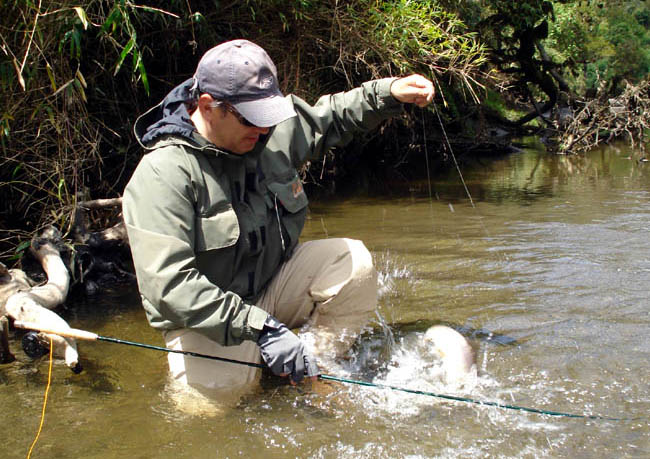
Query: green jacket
(209, 229)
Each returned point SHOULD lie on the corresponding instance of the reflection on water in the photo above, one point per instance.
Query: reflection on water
(548, 275)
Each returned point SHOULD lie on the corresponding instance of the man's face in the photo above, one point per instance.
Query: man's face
(229, 133)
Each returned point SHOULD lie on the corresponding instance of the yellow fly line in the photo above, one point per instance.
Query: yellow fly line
(47, 390)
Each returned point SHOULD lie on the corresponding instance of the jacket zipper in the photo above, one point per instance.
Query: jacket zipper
(277, 214)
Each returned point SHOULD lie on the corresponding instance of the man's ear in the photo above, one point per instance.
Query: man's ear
(205, 103)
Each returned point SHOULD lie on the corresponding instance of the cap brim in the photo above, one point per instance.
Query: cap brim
(266, 112)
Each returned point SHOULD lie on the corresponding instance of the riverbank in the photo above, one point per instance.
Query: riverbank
(77, 77)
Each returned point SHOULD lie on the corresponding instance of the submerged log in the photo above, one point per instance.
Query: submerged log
(21, 300)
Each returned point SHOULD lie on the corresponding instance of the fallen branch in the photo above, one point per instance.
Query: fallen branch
(116, 233)
(5, 354)
(624, 116)
(100, 203)
(21, 300)
(55, 291)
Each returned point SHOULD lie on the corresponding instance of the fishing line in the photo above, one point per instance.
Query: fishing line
(47, 390)
(473, 401)
(456, 165)
(451, 151)
(426, 155)
(89, 336)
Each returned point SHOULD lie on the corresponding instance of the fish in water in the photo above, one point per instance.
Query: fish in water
(457, 355)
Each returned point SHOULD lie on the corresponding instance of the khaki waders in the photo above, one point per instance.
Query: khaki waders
(328, 287)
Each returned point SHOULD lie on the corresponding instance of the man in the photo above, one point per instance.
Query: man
(215, 208)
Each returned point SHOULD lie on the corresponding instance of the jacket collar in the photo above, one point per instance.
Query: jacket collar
(169, 123)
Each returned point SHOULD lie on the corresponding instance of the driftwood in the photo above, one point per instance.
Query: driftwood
(5, 353)
(96, 260)
(116, 233)
(605, 118)
(21, 299)
(100, 255)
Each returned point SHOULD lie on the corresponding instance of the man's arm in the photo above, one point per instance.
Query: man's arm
(335, 119)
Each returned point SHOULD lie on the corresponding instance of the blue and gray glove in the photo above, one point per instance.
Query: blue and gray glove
(284, 353)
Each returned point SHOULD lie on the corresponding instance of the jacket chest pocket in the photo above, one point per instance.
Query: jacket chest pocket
(290, 193)
(218, 231)
(292, 197)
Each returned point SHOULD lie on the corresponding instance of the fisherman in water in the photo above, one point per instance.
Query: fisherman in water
(215, 209)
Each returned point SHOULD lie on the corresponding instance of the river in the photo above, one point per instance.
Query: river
(546, 270)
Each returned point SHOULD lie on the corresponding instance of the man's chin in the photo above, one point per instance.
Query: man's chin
(247, 146)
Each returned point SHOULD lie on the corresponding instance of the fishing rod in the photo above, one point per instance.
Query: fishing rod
(90, 336)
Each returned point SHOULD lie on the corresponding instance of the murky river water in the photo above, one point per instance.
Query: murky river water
(553, 261)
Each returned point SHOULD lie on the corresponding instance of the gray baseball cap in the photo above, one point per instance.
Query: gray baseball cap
(241, 73)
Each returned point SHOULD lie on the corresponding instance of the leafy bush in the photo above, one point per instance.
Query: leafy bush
(602, 42)
(75, 77)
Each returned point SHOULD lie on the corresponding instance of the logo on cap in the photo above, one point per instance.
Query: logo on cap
(267, 82)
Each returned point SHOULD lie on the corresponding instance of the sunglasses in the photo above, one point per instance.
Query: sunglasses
(237, 115)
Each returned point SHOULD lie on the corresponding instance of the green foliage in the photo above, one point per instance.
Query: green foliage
(413, 35)
(19, 251)
(52, 128)
(602, 42)
(75, 75)
(495, 101)
(521, 14)
(569, 34)
(576, 46)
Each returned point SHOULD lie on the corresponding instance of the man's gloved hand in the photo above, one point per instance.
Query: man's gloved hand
(284, 353)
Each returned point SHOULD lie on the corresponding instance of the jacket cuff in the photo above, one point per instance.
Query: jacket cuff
(385, 98)
(254, 323)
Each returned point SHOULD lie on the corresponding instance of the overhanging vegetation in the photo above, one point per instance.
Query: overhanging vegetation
(74, 77)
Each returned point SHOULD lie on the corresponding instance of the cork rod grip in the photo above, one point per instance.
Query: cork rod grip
(67, 332)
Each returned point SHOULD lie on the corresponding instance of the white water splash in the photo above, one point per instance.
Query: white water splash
(388, 271)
